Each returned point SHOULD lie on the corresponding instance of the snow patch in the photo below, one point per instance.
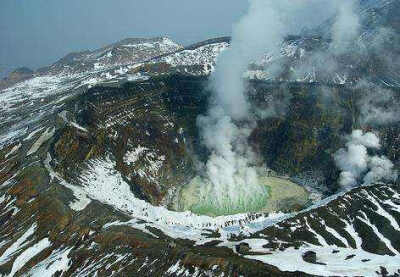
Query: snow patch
(42, 139)
(17, 245)
(132, 156)
(335, 263)
(58, 261)
(28, 254)
(13, 150)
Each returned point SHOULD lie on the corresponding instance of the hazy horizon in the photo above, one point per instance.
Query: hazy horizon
(38, 33)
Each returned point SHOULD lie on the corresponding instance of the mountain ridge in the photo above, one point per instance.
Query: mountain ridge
(93, 156)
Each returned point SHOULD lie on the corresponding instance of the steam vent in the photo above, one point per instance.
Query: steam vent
(273, 151)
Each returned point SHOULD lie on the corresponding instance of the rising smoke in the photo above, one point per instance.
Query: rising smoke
(343, 30)
(232, 165)
(357, 166)
(377, 106)
(346, 27)
(232, 169)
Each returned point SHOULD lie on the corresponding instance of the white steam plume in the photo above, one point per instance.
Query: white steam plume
(357, 165)
(377, 105)
(232, 168)
(260, 29)
(232, 165)
(380, 168)
(346, 27)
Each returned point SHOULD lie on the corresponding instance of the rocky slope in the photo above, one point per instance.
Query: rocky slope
(72, 184)
(95, 148)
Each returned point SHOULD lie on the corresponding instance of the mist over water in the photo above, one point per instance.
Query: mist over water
(233, 167)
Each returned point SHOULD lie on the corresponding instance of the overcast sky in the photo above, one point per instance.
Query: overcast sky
(35, 33)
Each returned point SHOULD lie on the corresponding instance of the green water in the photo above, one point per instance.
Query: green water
(201, 197)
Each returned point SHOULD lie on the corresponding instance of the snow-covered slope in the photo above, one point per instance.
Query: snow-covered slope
(124, 52)
(32, 100)
(83, 170)
(94, 148)
(204, 57)
(354, 232)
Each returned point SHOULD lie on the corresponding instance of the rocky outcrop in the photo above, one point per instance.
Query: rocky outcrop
(94, 148)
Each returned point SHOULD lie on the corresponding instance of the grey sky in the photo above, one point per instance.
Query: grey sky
(38, 32)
